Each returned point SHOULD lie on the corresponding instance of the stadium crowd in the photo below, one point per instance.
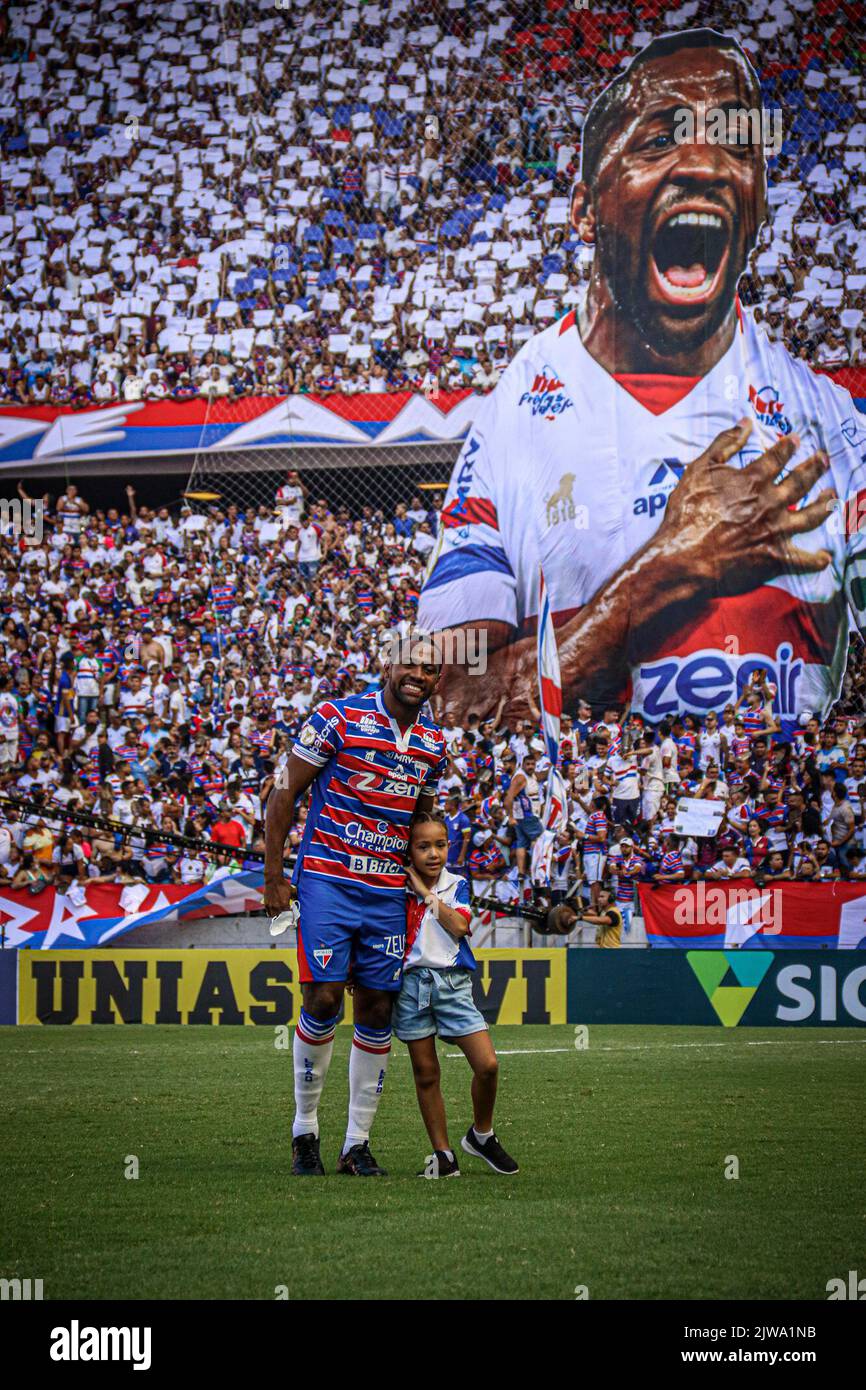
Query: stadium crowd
(216, 201)
(155, 666)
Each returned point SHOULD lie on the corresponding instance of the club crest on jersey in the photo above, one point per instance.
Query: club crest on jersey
(666, 473)
(307, 736)
(323, 957)
(768, 409)
(547, 396)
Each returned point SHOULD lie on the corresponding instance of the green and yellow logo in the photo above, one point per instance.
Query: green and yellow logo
(748, 968)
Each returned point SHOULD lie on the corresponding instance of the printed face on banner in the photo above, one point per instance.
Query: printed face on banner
(683, 479)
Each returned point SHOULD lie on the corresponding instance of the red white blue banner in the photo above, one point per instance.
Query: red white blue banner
(739, 912)
(549, 679)
(94, 914)
(39, 434)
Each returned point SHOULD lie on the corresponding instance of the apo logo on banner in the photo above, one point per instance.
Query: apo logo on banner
(245, 987)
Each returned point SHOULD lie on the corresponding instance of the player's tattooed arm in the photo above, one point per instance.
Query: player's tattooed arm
(280, 813)
(725, 531)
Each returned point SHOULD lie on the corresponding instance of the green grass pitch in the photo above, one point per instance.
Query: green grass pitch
(623, 1149)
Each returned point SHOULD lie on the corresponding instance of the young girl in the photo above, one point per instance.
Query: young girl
(436, 998)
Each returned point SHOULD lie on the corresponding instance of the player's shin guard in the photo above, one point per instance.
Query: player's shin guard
(368, 1062)
(312, 1049)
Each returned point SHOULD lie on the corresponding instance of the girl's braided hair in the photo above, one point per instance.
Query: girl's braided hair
(429, 818)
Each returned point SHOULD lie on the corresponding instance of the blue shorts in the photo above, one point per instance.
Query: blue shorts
(348, 931)
(436, 1001)
(526, 832)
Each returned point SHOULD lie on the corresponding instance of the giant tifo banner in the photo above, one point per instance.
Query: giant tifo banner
(669, 465)
(739, 913)
(94, 914)
(236, 987)
(44, 434)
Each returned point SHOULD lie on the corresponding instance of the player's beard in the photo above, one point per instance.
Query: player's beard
(627, 283)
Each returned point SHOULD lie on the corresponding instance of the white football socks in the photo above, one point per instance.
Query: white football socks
(368, 1062)
(311, 1049)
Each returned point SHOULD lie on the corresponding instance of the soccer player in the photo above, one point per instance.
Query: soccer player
(436, 997)
(661, 458)
(373, 761)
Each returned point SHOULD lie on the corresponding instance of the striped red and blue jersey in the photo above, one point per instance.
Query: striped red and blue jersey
(482, 861)
(363, 799)
(772, 816)
(261, 739)
(672, 862)
(595, 833)
(628, 871)
(223, 596)
(753, 722)
(212, 785)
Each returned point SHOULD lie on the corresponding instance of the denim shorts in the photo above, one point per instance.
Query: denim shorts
(436, 1001)
(526, 832)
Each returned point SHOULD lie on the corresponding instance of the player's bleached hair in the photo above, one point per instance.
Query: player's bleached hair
(607, 109)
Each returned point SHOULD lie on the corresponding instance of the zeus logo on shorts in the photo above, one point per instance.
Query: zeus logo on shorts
(708, 679)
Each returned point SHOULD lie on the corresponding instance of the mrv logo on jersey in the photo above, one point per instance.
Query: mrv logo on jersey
(711, 678)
